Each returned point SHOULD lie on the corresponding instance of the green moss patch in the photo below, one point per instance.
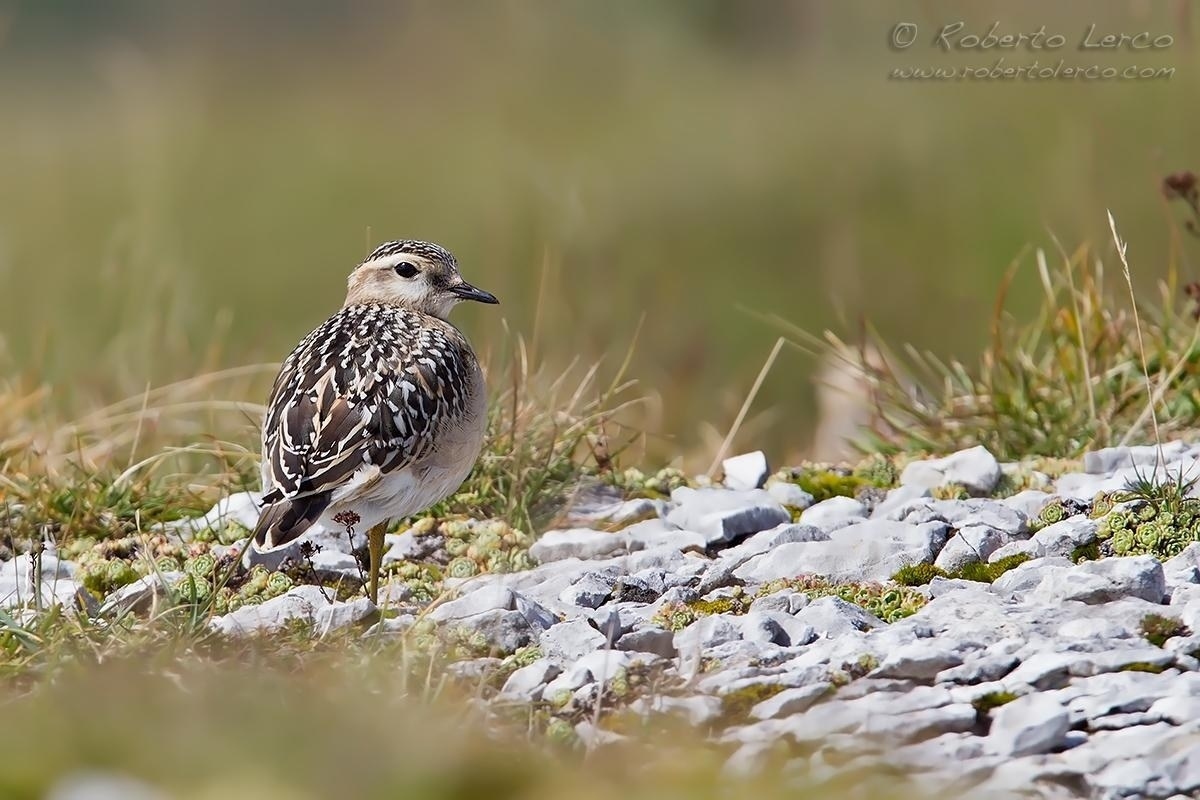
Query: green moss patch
(887, 602)
(992, 700)
(736, 705)
(1142, 666)
(677, 616)
(988, 573)
(921, 574)
(824, 481)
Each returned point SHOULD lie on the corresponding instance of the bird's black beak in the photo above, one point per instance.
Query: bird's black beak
(466, 291)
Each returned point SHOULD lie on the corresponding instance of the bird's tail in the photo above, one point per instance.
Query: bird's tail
(285, 520)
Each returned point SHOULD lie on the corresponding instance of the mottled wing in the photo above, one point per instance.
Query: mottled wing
(367, 388)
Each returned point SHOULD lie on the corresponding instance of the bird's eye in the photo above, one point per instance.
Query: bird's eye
(405, 270)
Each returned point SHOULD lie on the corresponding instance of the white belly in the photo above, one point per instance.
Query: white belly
(376, 498)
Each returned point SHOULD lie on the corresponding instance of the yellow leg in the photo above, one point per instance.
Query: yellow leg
(375, 550)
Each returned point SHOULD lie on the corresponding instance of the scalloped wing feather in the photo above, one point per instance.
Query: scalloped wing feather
(363, 394)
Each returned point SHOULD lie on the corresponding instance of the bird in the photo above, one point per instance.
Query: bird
(379, 412)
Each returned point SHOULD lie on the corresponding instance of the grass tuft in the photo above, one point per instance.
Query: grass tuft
(918, 574)
(1157, 628)
(988, 573)
(546, 434)
(1069, 380)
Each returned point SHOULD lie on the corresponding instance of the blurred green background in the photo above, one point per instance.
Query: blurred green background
(186, 185)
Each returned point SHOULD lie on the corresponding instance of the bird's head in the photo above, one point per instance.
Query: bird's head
(417, 275)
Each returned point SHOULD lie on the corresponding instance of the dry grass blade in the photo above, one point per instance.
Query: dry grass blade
(1137, 324)
(723, 450)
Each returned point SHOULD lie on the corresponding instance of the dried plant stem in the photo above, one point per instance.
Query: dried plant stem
(1137, 324)
(723, 450)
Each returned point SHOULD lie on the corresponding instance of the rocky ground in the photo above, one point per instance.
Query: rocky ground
(992, 628)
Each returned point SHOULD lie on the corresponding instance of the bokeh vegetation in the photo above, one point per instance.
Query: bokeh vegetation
(285, 718)
(187, 185)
